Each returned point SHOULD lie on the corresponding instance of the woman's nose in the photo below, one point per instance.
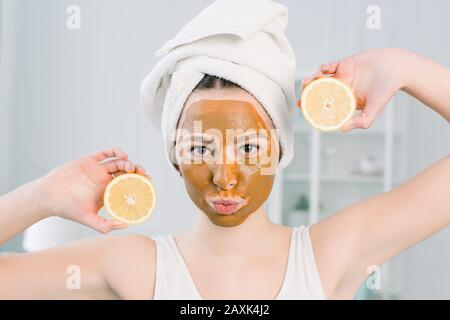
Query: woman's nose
(225, 176)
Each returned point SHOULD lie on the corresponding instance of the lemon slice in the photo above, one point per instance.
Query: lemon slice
(130, 198)
(327, 103)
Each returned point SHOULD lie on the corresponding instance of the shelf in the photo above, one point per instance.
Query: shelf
(296, 177)
(353, 179)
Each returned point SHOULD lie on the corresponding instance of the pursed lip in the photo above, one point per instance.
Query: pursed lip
(226, 206)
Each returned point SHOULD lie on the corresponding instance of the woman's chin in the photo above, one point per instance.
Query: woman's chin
(227, 220)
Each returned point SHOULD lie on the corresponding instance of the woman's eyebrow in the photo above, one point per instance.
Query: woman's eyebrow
(195, 137)
(250, 136)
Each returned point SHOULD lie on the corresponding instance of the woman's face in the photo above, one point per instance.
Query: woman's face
(227, 152)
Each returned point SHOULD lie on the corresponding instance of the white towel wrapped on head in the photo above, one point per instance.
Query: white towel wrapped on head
(242, 41)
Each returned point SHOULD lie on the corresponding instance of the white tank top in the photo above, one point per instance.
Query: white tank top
(301, 280)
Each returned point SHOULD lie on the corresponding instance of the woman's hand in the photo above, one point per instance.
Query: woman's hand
(75, 190)
(374, 76)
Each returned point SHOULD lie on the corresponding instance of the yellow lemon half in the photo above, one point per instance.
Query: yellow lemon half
(130, 198)
(327, 103)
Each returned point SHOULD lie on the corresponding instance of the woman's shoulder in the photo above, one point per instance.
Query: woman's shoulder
(125, 244)
(130, 268)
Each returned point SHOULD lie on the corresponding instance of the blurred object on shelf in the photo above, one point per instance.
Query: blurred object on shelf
(299, 215)
(369, 165)
(302, 203)
(329, 152)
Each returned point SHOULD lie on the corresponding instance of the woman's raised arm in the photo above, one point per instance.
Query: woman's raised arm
(368, 233)
(92, 268)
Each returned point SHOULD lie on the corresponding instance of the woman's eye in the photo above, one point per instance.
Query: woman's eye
(200, 150)
(249, 148)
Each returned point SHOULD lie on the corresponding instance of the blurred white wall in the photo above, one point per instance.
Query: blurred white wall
(77, 91)
(6, 80)
(66, 93)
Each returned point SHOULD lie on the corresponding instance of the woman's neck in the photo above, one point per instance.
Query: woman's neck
(252, 235)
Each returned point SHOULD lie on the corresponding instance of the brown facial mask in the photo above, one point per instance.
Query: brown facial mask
(227, 155)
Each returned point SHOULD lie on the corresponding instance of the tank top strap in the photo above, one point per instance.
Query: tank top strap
(302, 279)
(173, 280)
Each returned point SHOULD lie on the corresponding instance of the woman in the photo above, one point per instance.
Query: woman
(234, 251)
(252, 256)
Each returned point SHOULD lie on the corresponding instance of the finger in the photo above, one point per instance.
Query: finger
(324, 70)
(101, 224)
(141, 170)
(305, 82)
(115, 224)
(374, 106)
(119, 165)
(329, 68)
(119, 173)
(110, 153)
(363, 121)
(318, 74)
